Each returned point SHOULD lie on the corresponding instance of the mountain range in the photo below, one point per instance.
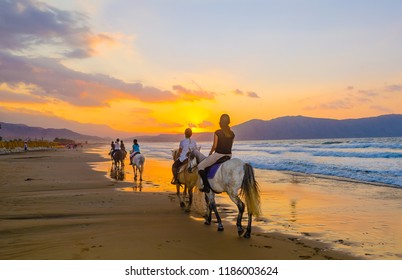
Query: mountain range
(290, 127)
(10, 131)
(300, 127)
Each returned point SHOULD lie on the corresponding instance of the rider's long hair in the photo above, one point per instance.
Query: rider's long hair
(224, 124)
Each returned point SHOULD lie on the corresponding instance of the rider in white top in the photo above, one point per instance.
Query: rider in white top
(117, 144)
(184, 147)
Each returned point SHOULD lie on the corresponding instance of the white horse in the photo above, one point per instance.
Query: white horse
(186, 178)
(236, 178)
(138, 165)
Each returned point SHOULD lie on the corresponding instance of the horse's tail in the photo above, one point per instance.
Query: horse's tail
(251, 191)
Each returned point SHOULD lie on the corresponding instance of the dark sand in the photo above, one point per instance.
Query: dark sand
(55, 207)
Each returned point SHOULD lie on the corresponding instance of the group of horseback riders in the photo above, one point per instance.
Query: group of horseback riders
(221, 147)
(118, 145)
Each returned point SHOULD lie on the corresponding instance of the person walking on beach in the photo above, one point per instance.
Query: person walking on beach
(135, 150)
(222, 146)
(185, 145)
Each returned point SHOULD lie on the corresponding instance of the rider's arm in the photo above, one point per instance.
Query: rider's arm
(214, 144)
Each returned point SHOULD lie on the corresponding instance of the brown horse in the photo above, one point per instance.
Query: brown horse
(118, 158)
(187, 179)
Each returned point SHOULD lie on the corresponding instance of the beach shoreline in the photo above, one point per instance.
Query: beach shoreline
(55, 206)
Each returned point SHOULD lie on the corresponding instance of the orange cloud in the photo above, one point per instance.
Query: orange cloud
(192, 95)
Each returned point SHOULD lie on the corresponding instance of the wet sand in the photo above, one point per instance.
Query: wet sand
(355, 217)
(55, 207)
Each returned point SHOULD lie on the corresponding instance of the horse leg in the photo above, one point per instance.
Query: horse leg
(218, 218)
(141, 169)
(248, 231)
(208, 216)
(190, 199)
(240, 206)
(135, 172)
(212, 206)
(182, 204)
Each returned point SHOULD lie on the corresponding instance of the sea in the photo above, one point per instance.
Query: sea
(346, 193)
(371, 160)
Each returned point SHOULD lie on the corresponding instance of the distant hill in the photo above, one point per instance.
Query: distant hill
(10, 131)
(291, 127)
(299, 127)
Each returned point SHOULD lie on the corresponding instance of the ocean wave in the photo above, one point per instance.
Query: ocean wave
(357, 154)
(369, 160)
(391, 177)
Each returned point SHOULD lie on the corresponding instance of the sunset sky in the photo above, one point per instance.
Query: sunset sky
(159, 66)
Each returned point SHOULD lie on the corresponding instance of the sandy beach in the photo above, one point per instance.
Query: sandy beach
(54, 206)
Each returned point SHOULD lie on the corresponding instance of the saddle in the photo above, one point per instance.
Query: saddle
(136, 153)
(211, 171)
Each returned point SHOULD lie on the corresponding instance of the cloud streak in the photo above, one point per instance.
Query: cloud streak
(52, 79)
(248, 93)
(192, 95)
(27, 26)
(353, 98)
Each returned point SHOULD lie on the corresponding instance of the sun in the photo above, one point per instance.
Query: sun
(182, 115)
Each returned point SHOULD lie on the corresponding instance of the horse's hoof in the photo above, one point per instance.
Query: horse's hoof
(220, 228)
(247, 235)
(182, 204)
(240, 232)
(207, 223)
(187, 210)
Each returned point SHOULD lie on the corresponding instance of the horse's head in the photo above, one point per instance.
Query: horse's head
(192, 160)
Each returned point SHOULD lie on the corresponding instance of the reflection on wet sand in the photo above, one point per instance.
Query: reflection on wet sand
(293, 212)
(137, 187)
(117, 173)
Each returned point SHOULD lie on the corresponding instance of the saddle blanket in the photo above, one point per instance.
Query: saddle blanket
(211, 171)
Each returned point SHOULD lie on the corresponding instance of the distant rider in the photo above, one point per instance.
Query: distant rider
(136, 150)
